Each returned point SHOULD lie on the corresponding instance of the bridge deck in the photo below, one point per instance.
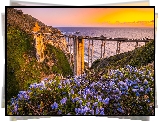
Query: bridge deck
(77, 42)
(108, 39)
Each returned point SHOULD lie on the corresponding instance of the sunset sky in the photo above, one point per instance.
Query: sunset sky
(93, 17)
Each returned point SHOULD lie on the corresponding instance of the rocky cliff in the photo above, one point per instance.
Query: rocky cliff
(23, 68)
(27, 23)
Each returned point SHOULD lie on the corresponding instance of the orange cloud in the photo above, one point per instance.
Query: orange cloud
(134, 16)
(101, 17)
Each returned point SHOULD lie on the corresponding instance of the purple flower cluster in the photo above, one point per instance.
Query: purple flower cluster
(97, 97)
(54, 105)
(23, 95)
(38, 85)
(63, 101)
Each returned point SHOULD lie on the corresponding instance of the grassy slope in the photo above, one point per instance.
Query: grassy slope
(22, 67)
(139, 57)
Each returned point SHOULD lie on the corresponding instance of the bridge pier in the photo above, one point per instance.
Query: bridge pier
(101, 50)
(78, 55)
(92, 52)
(88, 52)
(136, 45)
(118, 47)
(40, 47)
(70, 51)
(104, 50)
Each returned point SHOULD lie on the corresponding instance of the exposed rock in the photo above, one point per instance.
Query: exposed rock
(27, 23)
(32, 25)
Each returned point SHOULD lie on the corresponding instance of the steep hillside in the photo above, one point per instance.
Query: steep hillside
(141, 56)
(35, 88)
(22, 66)
(26, 23)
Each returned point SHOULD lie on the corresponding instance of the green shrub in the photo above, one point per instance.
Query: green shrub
(138, 57)
(22, 66)
(124, 91)
(62, 65)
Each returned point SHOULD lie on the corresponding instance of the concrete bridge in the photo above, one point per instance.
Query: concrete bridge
(78, 48)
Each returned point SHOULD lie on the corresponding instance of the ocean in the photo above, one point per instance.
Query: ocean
(110, 32)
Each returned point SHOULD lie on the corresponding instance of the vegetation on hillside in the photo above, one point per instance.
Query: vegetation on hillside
(61, 64)
(119, 85)
(140, 56)
(15, 17)
(125, 91)
(26, 22)
(22, 66)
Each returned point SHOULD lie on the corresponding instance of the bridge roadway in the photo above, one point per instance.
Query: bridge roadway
(108, 39)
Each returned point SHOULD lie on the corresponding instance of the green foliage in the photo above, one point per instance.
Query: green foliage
(22, 66)
(61, 65)
(144, 55)
(140, 56)
(18, 73)
(130, 92)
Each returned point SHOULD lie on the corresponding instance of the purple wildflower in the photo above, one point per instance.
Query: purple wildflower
(54, 105)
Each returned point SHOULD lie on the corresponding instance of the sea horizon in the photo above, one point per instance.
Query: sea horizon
(110, 32)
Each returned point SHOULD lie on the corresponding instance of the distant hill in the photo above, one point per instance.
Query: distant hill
(22, 66)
